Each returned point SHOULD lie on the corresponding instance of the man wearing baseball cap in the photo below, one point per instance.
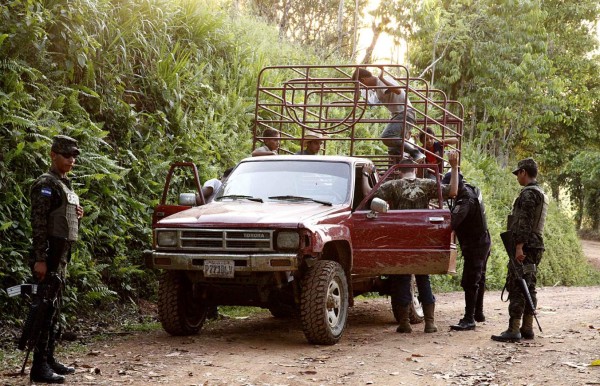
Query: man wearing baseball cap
(55, 216)
(526, 222)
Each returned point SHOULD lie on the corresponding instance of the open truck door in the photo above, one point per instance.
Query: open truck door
(403, 241)
(166, 206)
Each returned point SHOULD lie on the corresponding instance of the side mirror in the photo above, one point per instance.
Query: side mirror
(187, 199)
(378, 206)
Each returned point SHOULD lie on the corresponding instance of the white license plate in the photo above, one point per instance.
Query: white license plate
(218, 268)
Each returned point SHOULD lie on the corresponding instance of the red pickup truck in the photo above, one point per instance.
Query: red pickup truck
(300, 235)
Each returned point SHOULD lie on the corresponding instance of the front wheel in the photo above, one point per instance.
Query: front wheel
(324, 302)
(178, 311)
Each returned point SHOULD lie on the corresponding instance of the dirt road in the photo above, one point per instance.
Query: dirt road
(262, 350)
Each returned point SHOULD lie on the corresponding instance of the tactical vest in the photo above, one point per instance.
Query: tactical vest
(63, 222)
(540, 212)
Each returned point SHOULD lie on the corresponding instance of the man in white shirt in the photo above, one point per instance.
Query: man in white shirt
(393, 97)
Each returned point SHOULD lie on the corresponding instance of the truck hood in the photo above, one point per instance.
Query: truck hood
(242, 212)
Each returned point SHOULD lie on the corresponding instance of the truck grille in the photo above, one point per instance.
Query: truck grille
(227, 240)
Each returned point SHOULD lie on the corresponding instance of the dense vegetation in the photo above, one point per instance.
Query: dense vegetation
(142, 83)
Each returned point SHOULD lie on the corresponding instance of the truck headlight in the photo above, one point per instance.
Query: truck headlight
(288, 240)
(166, 238)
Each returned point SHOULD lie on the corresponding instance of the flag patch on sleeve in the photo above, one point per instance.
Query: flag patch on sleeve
(46, 192)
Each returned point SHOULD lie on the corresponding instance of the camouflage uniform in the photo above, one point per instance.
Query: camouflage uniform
(411, 193)
(55, 227)
(526, 222)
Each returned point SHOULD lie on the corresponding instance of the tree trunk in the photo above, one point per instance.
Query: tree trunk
(284, 19)
(369, 52)
(355, 31)
(340, 26)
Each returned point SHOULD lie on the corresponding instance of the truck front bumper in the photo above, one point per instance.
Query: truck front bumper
(272, 262)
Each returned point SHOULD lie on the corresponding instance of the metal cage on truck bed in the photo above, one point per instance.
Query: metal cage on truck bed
(326, 100)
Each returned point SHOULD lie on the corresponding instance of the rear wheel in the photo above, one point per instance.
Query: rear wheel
(178, 311)
(324, 302)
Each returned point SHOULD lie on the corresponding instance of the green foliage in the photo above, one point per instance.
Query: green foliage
(583, 182)
(139, 84)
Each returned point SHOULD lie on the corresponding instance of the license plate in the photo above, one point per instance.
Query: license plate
(218, 268)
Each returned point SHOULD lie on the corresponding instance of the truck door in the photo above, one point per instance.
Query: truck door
(169, 203)
(416, 241)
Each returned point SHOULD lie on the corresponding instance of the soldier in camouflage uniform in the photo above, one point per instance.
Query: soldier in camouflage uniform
(55, 215)
(527, 225)
(411, 192)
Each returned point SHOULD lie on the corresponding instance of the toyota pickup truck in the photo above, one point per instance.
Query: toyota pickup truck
(300, 235)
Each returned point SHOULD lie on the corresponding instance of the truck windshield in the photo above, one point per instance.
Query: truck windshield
(270, 180)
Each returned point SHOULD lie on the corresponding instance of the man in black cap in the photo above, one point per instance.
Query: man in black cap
(470, 225)
(526, 222)
(55, 216)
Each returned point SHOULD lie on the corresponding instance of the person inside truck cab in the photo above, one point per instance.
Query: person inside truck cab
(410, 192)
(393, 97)
(212, 186)
(313, 142)
(271, 139)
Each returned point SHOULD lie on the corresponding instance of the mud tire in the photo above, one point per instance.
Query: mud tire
(416, 315)
(178, 312)
(324, 303)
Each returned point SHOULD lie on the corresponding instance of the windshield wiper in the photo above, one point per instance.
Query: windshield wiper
(300, 198)
(240, 197)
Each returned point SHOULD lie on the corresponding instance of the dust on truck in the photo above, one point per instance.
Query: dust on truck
(302, 235)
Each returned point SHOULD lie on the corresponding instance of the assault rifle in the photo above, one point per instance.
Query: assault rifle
(518, 269)
(48, 293)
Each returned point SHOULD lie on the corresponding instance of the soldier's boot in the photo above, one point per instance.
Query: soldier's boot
(41, 372)
(55, 365)
(527, 327)
(479, 316)
(59, 368)
(404, 320)
(512, 334)
(428, 311)
(468, 322)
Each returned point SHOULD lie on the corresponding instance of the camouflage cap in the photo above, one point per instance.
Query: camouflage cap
(65, 145)
(527, 164)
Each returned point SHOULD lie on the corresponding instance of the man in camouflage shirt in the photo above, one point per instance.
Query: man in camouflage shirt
(55, 215)
(526, 222)
(410, 192)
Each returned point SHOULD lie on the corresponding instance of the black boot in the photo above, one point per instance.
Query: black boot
(467, 323)
(479, 316)
(59, 368)
(41, 371)
(55, 365)
(512, 334)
